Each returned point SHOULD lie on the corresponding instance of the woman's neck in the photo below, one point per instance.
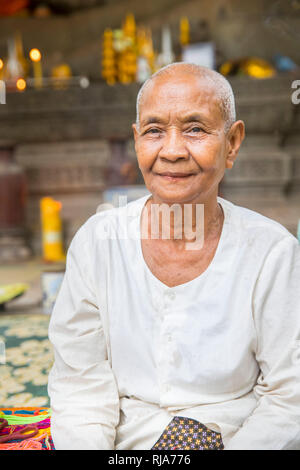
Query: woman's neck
(181, 224)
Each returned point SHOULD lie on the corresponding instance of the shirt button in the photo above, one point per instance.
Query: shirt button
(169, 338)
(171, 295)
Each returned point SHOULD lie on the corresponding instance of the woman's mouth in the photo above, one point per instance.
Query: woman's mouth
(170, 176)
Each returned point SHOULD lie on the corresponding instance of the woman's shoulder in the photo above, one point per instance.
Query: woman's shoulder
(254, 226)
(109, 222)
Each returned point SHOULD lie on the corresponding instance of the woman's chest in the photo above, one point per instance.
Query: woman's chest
(199, 335)
(187, 338)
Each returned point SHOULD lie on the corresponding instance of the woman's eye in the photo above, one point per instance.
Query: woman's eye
(196, 129)
(152, 131)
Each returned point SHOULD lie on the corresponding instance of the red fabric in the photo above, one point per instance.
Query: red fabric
(10, 7)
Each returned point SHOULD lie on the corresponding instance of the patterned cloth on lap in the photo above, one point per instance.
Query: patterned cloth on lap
(188, 434)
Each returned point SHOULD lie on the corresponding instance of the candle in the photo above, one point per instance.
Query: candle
(21, 84)
(1, 68)
(36, 56)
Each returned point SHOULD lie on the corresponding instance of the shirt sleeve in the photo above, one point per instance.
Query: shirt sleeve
(83, 393)
(275, 422)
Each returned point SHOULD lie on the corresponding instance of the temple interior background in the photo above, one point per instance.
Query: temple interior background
(70, 72)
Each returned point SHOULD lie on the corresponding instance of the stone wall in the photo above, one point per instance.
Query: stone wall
(64, 141)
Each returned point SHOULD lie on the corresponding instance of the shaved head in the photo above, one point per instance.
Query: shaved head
(221, 86)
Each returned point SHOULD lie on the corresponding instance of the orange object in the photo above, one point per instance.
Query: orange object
(61, 74)
(61, 71)
(51, 229)
(184, 31)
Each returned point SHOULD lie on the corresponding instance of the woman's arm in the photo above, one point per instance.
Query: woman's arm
(82, 389)
(275, 423)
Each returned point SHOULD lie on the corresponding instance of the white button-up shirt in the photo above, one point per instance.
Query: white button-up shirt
(224, 348)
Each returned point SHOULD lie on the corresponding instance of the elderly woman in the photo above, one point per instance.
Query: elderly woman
(185, 341)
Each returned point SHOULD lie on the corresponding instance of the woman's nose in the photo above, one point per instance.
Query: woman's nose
(173, 146)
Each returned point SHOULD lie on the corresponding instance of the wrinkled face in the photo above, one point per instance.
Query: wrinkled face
(180, 144)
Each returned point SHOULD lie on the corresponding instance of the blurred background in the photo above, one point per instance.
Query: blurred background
(70, 71)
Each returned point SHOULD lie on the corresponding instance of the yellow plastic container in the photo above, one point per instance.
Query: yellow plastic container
(52, 239)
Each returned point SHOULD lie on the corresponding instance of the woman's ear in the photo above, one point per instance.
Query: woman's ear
(135, 132)
(135, 135)
(235, 138)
